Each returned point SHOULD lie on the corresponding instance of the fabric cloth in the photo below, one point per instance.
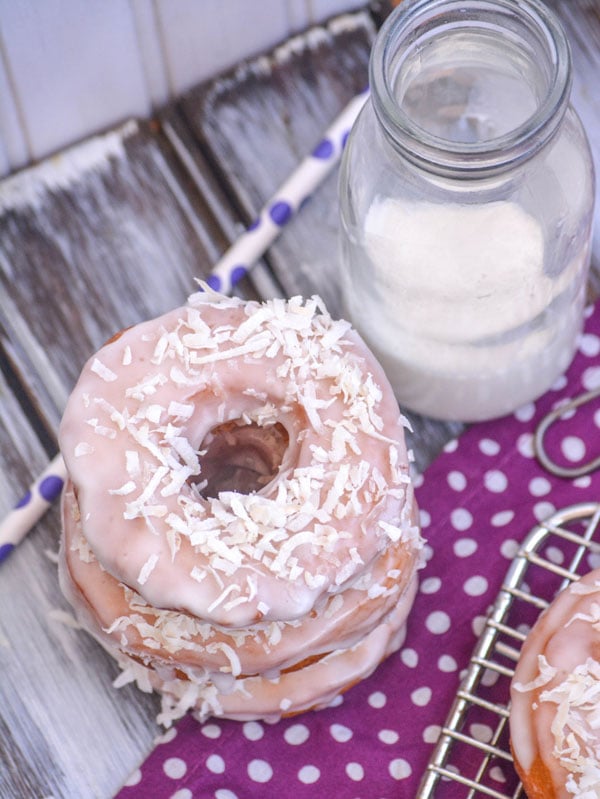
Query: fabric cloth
(478, 501)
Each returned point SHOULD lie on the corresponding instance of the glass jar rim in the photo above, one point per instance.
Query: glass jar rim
(451, 157)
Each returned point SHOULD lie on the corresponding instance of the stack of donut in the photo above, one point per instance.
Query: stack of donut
(239, 527)
(555, 698)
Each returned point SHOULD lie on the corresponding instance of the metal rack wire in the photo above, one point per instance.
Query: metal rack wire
(554, 554)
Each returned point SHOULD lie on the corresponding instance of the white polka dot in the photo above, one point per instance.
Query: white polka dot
(560, 383)
(309, 774)
(461, 519)
(377, 699)
(421, 696)
(225, 793)
(542, 510)
(296, 734)
(509, 548)
(465, 547)
(451, 446)
(355, 771)
(594, 560)
(410, 658)
(525, 413)
(431, 733)
(539, 487)
(210, 730)
(489, 447)
(457, 480)
(259, 770)
(388, 736)
(215, 763)
(340, 733)
(525, 445)
(431, 585)
(134, 778)
(337, 701)
(475, 586)
(590, 379)
(495, 481)
(567, 413)
(573, 448)
(482, 732)
(438, 622)
(417, 478)
(502, 518)
(400, 769)
(478, 625)
(584, 481)
(175, 768)
(167, 736)
(447, 663)
(589, 345)
(182, 793)
(489, 678)
(555, 555)
(497, 774)
(424, 518)
(253, 730)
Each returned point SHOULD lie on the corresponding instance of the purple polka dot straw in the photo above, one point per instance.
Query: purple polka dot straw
(278, 211)
(32, 506)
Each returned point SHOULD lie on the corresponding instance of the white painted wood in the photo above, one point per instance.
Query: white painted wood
(151, 51)
(14, 151)
(320, 10)
(204, 38)
(75, 67)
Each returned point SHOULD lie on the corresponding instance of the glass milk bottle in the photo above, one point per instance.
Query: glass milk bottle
(466, 202)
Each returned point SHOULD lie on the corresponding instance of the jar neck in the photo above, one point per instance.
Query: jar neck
(469, 87)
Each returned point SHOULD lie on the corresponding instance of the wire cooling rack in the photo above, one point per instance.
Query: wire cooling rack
(466, 763)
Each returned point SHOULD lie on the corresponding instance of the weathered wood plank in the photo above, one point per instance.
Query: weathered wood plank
(64, 731)
(111, 232)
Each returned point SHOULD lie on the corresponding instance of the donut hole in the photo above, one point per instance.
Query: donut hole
(241, 457)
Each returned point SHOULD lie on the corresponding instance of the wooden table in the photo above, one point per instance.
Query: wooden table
(115, 231)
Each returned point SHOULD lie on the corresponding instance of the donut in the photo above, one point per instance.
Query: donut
(239, 528)
(555, 697)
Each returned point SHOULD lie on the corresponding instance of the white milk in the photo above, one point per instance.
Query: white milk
(454, 300)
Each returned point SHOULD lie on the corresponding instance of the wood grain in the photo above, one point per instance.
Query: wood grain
(111, 233)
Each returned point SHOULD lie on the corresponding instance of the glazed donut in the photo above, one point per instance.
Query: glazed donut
(555, 697)
(239, 525)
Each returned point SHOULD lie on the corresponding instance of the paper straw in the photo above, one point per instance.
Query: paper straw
(236, 262)
(284, 204)
(32, 506)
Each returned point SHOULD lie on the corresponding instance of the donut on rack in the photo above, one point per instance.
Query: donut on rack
(239, 525)
(555, 698)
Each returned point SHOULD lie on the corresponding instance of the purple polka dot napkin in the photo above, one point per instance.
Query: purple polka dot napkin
(478, 500)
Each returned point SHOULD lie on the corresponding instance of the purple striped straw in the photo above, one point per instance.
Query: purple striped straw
(236, 262)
